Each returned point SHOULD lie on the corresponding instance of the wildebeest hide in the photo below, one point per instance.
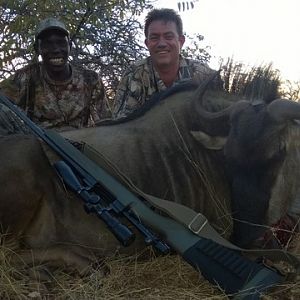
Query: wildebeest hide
(158, 153)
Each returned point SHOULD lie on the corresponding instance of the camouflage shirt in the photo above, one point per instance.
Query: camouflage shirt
(77, 102)
(141, 80)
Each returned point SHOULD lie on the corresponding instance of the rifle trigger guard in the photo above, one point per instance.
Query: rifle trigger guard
(194, 222)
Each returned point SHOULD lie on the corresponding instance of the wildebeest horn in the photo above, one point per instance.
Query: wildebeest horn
(282, 110)
(215, 123)
(203, 86)
(199, 93)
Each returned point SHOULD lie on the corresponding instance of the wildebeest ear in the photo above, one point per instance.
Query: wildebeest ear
(208, 141)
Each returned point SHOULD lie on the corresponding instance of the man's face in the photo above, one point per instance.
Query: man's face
(164, 43)
(54, 48)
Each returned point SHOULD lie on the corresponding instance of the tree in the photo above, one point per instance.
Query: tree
(186, 5)
(104, 34)
(194, 50)
(291, 90)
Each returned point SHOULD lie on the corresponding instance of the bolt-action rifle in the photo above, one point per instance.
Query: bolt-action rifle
(109, 199)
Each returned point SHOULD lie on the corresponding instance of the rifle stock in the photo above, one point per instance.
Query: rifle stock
(228, 268)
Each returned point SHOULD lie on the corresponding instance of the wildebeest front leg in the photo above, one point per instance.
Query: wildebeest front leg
(249, 208)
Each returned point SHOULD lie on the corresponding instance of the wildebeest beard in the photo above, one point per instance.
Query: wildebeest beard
(252, 171)
(251, 191)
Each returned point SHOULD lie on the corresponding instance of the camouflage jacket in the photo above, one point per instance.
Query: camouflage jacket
(77, 102)
(141, 80)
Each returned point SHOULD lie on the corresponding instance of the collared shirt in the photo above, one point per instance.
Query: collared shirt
(141, 80)
(77, 102)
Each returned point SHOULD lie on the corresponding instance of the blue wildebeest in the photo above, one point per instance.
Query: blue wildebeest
(159, 151)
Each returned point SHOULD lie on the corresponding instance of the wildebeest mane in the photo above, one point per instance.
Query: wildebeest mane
(10, 123)
(261, 83)
(262, 88)
(156, 98)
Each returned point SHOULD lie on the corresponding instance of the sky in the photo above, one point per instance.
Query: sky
(254, 32)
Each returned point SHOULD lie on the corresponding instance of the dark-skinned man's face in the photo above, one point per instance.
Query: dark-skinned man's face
(55, 49)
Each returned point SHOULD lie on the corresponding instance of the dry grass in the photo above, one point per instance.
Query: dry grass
(167, 277)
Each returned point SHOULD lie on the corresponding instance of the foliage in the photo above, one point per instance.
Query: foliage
(193, 49)
(186, 5)
(291, 90)
(104, 33)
